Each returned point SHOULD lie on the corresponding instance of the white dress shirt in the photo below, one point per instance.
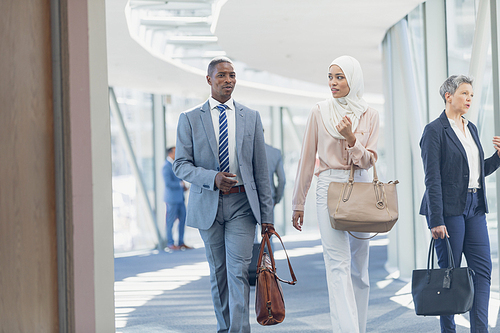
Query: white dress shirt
(231, 133)
(471, 150)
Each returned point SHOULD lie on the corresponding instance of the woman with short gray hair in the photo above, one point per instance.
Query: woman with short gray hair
(452, 83)
(454, 201)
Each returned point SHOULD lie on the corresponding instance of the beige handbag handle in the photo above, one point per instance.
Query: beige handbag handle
(378, 186)
(378, 191)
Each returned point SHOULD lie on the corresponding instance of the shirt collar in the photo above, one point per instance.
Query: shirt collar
(453, 123)
(214, 103)
(170, 159)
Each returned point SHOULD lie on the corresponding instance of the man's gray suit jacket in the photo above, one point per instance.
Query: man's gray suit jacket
(197, 162)
(275, 165)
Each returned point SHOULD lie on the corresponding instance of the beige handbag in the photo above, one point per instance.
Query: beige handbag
(363, 207)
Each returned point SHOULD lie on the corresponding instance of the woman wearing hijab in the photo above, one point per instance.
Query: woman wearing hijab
(340, 130)
(454, 201)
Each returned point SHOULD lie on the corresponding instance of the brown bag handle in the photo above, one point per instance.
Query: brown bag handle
(266, 241)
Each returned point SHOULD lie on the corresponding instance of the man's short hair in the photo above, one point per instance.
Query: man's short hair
(169, 150)
(451, 84)
(214, 62)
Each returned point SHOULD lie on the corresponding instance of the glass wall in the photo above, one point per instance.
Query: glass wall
(461, 25)
(132, 230)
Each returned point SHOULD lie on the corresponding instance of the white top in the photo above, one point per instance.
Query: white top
(231, 133)
(471, 150)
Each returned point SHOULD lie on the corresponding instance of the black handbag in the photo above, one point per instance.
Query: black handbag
(444, 291)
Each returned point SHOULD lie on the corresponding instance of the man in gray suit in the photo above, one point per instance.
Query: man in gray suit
(275, 166)
(221, 152)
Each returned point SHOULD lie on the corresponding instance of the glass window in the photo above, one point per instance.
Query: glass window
(416, 36)
(460, 25)
(132, 229)
(486, 129)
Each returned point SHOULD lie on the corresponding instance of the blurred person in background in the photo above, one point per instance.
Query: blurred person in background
(174, 200)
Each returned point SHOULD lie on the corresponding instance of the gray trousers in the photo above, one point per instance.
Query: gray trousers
(228, 246)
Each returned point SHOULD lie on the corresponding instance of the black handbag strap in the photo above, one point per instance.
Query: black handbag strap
(451, 263)
(266, 241)
(430, 256)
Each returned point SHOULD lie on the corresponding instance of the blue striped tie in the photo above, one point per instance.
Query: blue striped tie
(223, 139)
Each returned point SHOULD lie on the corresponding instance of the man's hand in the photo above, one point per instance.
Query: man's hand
(224, 181)
(265, 226)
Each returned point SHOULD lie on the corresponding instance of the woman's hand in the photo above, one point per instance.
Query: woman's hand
(345, 129)
(496, 144)
(298, 219)
(439, 232)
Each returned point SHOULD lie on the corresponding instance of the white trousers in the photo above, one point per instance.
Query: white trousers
(346, 261)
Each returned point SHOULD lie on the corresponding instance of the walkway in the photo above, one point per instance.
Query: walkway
(169, 293)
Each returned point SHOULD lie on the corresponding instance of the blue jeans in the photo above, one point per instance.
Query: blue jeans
(469, 235)
(174, 212)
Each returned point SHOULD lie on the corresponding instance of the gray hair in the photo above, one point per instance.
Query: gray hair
(451, 84)
(214, 62)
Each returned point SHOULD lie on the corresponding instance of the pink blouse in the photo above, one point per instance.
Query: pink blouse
(332, 153)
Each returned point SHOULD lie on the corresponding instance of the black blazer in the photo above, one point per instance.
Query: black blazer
(447, 170)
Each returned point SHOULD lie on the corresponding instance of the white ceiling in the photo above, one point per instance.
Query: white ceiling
(294, 39)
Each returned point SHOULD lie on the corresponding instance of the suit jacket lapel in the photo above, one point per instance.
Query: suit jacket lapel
(240, 126)
(451, 134)
(206, 120)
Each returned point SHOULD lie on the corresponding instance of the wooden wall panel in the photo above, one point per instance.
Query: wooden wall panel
(28, 266)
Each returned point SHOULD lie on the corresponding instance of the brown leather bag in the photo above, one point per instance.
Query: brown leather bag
(269, 302)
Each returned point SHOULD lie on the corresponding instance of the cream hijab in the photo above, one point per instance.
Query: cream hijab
(352, 105)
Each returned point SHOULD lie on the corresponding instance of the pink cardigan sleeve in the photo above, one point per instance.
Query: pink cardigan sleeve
(361, 151)
(305, 170)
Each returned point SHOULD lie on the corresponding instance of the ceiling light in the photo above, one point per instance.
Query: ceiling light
(174, 19)
(193, 39)
(212, 54)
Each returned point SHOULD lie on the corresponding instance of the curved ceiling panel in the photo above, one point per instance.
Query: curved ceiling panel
(281, 48)
(299, 39)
